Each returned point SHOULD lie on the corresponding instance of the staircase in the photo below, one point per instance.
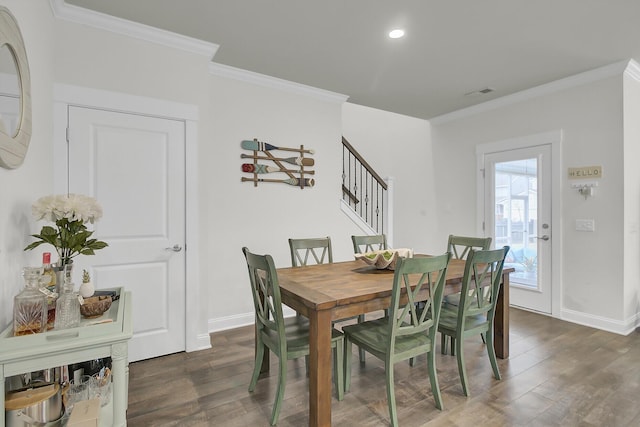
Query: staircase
(366, 197)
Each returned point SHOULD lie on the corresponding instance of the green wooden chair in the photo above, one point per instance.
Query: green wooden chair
(408, 331)
(319, 249)
(286, 338)
(315, 250)
(362, 244)
(476, 311)
(459, 246)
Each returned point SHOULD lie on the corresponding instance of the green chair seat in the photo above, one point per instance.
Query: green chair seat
(408, 330)
(286, 338)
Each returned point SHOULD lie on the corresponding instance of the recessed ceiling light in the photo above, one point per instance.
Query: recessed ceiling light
(396, 34)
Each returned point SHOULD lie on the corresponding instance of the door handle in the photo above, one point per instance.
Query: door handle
(545, 237)
(175, 248)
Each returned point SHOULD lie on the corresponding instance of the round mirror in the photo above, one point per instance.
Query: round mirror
(15, 95)
(9, 92)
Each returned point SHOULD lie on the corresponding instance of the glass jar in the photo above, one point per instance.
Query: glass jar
(30, 305)
(67, 307)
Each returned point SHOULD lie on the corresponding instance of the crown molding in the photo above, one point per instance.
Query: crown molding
(79, 15)
(633, 70)
(596, 74)
(227, 71)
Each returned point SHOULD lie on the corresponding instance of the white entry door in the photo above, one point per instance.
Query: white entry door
(518, 214)
(134, 166)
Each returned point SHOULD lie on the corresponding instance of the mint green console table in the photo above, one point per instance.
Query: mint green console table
(19, 355)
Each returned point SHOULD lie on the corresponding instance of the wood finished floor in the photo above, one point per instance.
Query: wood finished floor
(559, 374)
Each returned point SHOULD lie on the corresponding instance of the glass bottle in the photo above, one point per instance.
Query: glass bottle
(67, 307)
(49, 280)
(48, 275)
(30, 305)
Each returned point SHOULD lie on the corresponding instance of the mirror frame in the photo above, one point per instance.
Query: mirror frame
(13, 148)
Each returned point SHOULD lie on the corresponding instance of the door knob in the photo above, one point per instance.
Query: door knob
(545, 237)
(175, 248)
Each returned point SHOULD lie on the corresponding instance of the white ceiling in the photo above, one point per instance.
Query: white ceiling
(450, 48)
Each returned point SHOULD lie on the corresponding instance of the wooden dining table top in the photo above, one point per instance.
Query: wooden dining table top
(341, 284)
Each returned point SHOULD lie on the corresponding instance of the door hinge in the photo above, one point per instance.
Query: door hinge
(67, 134)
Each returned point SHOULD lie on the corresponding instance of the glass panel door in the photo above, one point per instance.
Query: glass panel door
(518, 214)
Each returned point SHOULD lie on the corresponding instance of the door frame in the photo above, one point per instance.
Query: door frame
(196, 334)
(554, 138)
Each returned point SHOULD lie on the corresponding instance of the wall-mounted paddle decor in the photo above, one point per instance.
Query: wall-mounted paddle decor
(293, 167)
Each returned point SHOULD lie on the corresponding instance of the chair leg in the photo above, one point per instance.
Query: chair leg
(483, 338)
(257, 365)
(453, 345)
(461, 365)
(361, 351)
(338, 369)
(491, 350)
(391, 396)
(444, 339)
(347, 364)
(433, 378)
(282, 381)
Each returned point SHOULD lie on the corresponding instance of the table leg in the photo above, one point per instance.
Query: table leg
(320, 369)
(120, 369)
(501, 320)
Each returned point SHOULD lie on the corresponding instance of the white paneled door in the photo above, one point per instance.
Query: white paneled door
(518, 214)
(134, 165)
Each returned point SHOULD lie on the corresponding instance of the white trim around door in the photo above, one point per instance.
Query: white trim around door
(554, 139)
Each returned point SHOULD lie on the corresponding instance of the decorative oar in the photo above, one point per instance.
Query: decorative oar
(300, 161)
(263, 146)
(250, 167)
(307, 182)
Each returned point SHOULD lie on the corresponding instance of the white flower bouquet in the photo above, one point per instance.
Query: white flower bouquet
(70, 213)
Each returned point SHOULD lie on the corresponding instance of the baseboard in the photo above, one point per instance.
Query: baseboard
(202, 342)
(238, 320)
(622, 327)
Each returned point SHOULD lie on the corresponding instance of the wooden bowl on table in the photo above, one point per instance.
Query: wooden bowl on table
(95, 306)
(385, 258)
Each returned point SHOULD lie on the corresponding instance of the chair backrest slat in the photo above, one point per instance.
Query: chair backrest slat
(362, 244)
(459, 246)
(481, 283)
(318, 248)
(265, 291)
(409, 313)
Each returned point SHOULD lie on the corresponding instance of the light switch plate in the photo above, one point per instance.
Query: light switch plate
(585, 225)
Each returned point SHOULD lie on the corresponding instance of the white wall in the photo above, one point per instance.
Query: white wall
(590, 118)
(631, 102)
(400, 147)
(264, 217)
(20, 187)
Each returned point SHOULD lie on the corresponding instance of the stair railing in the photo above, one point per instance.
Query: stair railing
(363, 189)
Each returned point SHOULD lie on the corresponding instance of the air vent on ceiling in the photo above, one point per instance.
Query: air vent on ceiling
(484, 91)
